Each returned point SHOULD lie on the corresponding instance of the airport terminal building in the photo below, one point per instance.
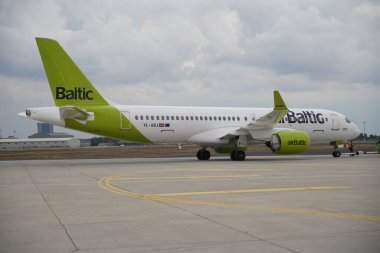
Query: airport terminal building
(39, 143)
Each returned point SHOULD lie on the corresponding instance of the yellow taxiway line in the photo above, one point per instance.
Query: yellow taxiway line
(253, 191)
(186, 177)
(105, 183)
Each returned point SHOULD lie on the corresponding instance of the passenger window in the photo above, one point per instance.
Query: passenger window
(196, 117)
(215, 118)
(141, 117)
(147, 117)
(187, 117)
(137, 117)
(245, 118)
(172, 117)
(177, 117)
(205, 117)
(162, 117)
(220, 118)
(200, 118)
(152, 117)
(167, 117)
(229, 118)
(233, 118)
(157, 117)
(224, 118)
(191, 118)
(238, 118)
(182, 118)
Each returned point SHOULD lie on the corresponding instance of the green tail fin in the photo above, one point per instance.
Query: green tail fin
(68, 84)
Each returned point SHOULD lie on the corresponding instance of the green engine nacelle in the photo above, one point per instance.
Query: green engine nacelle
(289, 142)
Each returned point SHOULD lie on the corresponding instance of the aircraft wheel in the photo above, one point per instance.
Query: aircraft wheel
(203, 154)
(199, 155)
(240, 155)
(206, 155)
(336, 154)
(233, 155)
(237, 155)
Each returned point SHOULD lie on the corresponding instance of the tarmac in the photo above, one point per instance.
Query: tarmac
(308, 203)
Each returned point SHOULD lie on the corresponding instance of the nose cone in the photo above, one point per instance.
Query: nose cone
(355, 131)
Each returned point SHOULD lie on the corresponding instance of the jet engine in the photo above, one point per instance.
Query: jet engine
(289, 142)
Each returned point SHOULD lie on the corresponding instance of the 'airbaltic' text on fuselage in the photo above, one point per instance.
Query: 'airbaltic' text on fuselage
(76, 93)
(304, 117)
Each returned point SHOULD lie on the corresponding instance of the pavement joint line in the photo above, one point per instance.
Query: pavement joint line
(105, 183)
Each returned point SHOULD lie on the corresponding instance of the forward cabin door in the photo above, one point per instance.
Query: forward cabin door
(335, 122)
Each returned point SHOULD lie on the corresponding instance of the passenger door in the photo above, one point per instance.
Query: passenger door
(334, 122)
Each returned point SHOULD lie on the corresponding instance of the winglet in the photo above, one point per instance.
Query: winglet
(279, 104)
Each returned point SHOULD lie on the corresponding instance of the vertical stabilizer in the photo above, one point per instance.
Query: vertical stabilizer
(68, 84)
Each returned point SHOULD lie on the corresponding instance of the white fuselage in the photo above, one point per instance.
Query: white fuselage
(206, 125)
(184, 124)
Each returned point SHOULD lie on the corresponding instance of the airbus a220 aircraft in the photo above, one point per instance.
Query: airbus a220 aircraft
(81, 107)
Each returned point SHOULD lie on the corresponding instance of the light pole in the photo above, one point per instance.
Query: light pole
(364, 131)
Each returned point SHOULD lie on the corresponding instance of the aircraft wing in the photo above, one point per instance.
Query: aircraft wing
(269, 120)
(262, 126)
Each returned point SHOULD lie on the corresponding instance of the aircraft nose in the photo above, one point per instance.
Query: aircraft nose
(356, 130)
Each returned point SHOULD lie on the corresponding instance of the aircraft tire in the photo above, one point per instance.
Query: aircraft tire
(199, 155)
(237, 155)
(336, 154)
(233, 155)
(240, 155)
(206, 155)
(203, 154)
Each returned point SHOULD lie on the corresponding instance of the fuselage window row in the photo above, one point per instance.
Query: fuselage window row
(187, 118)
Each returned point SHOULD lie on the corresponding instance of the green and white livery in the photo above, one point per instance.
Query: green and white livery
(81, 107)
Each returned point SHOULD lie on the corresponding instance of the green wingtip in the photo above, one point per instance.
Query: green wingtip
(279, 103)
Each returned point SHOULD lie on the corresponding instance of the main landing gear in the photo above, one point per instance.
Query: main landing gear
(237, 155)
(203, 154)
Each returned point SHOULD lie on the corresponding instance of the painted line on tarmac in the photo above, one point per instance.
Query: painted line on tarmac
(186, 177)
(252, 191)
(105, 183)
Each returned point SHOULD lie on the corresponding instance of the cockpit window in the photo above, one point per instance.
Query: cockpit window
(348, 120)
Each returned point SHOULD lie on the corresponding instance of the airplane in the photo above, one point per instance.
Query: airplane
(79, 106)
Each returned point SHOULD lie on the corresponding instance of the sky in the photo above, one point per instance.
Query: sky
(318, 54)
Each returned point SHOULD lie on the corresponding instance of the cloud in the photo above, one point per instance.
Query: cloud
(230, 53)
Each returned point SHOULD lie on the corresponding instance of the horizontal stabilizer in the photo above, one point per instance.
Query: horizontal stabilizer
(72, 112)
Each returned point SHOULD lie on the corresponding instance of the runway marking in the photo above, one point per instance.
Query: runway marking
(186, 177)
(105, 183)
(253, 191)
